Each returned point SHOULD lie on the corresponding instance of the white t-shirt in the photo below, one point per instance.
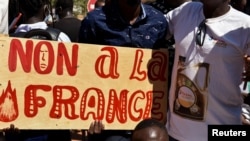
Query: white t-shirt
(41, 25)
(4, 16)
(205, 79)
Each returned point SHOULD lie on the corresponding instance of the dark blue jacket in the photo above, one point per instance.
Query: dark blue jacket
(106, 26)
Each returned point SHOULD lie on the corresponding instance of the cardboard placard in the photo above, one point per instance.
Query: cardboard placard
(55, 85)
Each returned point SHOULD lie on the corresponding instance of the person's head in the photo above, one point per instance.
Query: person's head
(36, 9)
(129, 2)
(99, 3)
(64, 7)
(239, 4)
(174, 3)
(215, 3)
(150, 130)
(215, 8)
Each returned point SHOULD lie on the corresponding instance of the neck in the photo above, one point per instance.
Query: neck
(130, 13)
(33, 19)
(216, 11)
(67, 14)
(174, 3)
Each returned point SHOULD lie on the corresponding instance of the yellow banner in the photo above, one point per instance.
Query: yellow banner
(55, 85)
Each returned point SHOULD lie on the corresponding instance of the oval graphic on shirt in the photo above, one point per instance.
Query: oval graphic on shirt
(186, 97)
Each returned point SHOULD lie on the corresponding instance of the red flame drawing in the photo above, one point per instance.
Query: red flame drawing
(8, 105)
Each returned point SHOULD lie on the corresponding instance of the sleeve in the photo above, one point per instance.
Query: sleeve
(169, 34)
(4, 16)
(87, 30)
(63, 37)
(160, 41)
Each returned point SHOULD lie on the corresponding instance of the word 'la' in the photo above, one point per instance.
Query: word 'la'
(156, 68)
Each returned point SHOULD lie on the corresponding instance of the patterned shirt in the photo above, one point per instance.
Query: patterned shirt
(105, 26)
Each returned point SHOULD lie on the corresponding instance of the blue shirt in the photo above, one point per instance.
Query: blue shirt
(105, 26)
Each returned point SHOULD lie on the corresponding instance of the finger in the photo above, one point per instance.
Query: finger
(91, 128)
(245, 121)
(98, 126)
(12, 126)
(101, 125)
(17, 130)
(6, 129)
(247, 61)
(247, 57)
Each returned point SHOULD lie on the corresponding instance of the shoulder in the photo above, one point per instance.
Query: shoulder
(53, 32)
(63, 37)
(94, 17)
(96, 13)
(150, 9)
(238, 15)
(187, 8)
(27, 27)
(152, 12)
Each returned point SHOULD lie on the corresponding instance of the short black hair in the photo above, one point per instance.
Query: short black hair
(149, 123)
(97, 3)
(32, 6)
(64, 4)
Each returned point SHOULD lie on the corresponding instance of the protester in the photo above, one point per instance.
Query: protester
(150, 130)
(33, 14)
(67, 22)
(4, 16)
(244, 6)
(127, 23)
(165, 6)
(145, 130)
(123, 23)
(210, 45)
(99, 3)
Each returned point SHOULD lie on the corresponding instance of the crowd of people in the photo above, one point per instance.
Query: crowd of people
(209, 48)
